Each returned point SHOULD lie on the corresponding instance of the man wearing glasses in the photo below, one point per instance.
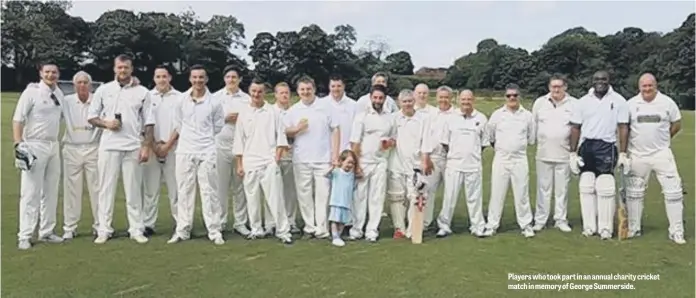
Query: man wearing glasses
(552, 121)
(35, 128)
(510, 131)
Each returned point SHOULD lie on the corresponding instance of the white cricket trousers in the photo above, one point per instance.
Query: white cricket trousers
(433, 180)
(368, 202)
(473, 190)
(314, 206)
(109, 164)
(79, 161)
(154, 173)
(288, 195)
(508, 171)
(269, 181)
(201, 168)
(552, 179)
(228, 179)
(38, 195)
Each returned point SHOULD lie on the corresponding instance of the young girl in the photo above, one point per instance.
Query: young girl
(342, 187)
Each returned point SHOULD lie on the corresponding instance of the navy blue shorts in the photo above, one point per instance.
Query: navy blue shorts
(600, 157)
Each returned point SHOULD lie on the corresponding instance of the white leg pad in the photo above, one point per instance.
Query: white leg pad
(605, 186)
(588, 201)
(635, 194)
(674, 203)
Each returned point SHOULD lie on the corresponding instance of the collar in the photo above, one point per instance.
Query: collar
(227, 92)
(340, 101)
(281, 107)
(44, 87)
(156, 92)
(610, 91)
(657, 96)
(425, 107)
(520, 109)
(314, 102)
(129, 84)
(89, 98)
(404, 116)
(371, 110)
(203, 99)
(450, 110)
(562, 101)
(474, 113)
(263, 108)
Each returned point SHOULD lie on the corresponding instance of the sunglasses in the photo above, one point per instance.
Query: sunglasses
(55, 99)
(511, 95)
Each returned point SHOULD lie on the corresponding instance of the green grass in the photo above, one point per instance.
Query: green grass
(459, 266)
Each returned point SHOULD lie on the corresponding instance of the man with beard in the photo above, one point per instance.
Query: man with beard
(233, 101)
(199, 118)
(35, 128)
(165, 101)
(464, 138)
(595, 120)
(654, 120)
(372, 137)
(316, 136)
(365, 101)
(122, 108)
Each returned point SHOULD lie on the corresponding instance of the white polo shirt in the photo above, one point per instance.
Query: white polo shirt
(511, 131)
(552, 121)
(369, 129)
(133, 102)
(364, 102)
(437, 125)
(411, 140)
(39, 113)
(465, 136)
(287, 157)
(231, 103)
(314, 144)
(258, 134)
(164, 107)
(650, 124)
(198, 123)
(345, 110)
(599, 117)
(78, 131)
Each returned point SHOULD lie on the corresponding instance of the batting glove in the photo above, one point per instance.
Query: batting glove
(24, 158)
(624, 163)
(575, 163)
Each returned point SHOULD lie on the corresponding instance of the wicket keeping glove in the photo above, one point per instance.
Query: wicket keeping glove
(24, 158)
(575, 163)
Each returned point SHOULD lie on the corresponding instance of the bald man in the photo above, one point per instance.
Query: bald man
(654, 120)
(422, 93)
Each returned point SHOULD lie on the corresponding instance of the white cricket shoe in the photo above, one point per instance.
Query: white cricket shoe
(538, 227)
(563, 226)
(101, 239)
(488, 233)
(588, 233)
(286, 239)
(242, 230)
(140, 239)
(528, 232)
(69, 235)
(52, 238)
(218, 240)
(175, 239)
(442, 233)
(338, 242)
(634, 234)
(678, 238)
(479, 233)
(605, 235)
(24, 244)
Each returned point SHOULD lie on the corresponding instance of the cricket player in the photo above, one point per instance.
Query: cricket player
(198, 120)
(35, 128)
(510, 130)
(80, 153)
(595, 120)
(282, 105)
(233, 101)
(372, 137)
(345, 108)
(412, 152)
(365, 101)
(316, 136)
(464, 137)
(165, 101)
(552, 114)
(260, 142)
(422, 92)
(122, 109)
(654, 120)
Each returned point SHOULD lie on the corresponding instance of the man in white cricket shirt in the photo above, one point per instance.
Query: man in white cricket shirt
(122, 108)
(412, 152)
(422, 92)
(316, 136)
(35, 128)
(595, 120)
(80, 153)
(259, 144)
(233, 101)
(345, 108)
(364, 103)
(654, 120)
(199, 118)
(373, 137)
(444, 95)
(510, 130)
(464, 138)
(165, 100)
(552, 114)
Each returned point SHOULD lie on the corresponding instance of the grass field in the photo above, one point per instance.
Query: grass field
(458, 266)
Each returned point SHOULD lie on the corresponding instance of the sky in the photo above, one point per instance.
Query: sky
(435, 33)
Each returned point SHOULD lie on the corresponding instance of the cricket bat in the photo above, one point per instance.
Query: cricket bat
(417, 224)
(622, 214)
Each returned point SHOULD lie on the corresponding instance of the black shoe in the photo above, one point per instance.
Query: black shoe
(149, 232)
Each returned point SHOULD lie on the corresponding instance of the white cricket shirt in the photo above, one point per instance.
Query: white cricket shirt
(198, 123)
(411, 141)
(465, 136)
(231, 103)
(258, 134)
(314, 144)
(599, 117)
(364, 102)
(78, 131)
(164, 107)
(427, 109)
(511, 131)
(39, 113)
(437, 126)
(345, 110)
(369, 129)
(552, 123)
(650, 124)
(133, 103)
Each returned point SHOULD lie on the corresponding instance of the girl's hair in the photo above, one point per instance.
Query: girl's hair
(345, 154)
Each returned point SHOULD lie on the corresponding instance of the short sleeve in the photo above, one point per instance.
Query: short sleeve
(218, 117)
(24, 106)
(485, 142)
(287, 119)
(425, 136)
(576, 113)
(333, 116)
(491, 126)
(97, 106)
(446, 133)
(281, 137)
(238, 144)
(622, 111)
(178, 114)
(148, 113)
(531, 130)
(357, 129)
(673, 112)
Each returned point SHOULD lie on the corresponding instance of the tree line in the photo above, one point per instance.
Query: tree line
(35, 31)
